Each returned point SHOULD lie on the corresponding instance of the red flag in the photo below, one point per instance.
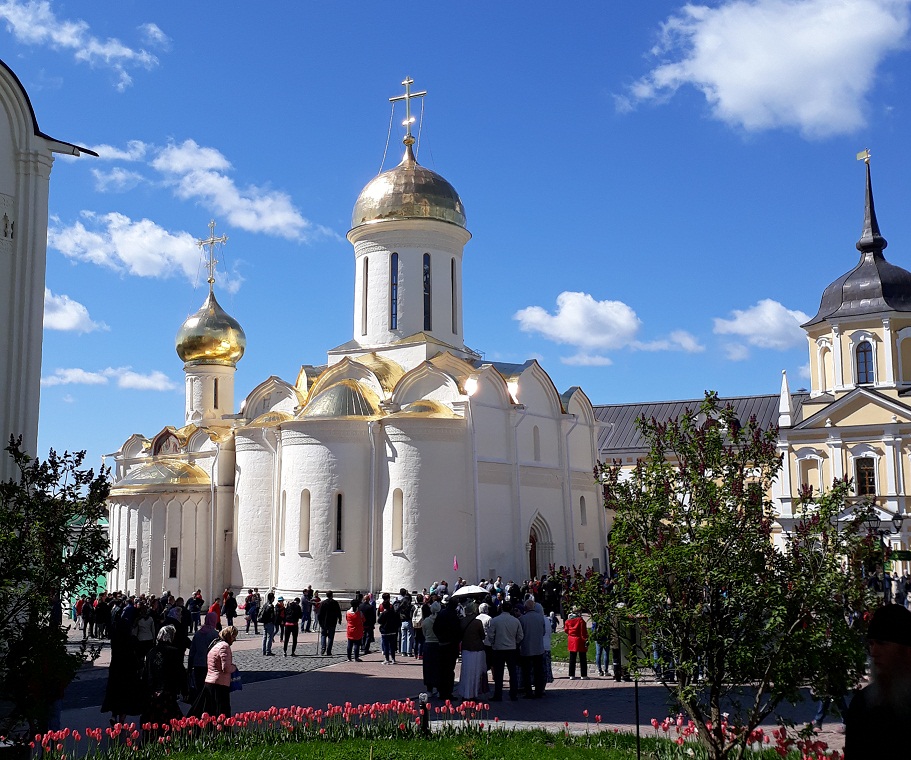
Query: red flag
(455, 562)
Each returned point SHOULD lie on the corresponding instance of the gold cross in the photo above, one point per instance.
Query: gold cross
(211, 261)
(409, 119)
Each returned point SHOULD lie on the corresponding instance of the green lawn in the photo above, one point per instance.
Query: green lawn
(558, 650)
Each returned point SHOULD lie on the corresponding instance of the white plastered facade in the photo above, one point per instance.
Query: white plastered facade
(377, 470)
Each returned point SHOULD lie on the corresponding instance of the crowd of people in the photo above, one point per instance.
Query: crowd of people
(164, 649)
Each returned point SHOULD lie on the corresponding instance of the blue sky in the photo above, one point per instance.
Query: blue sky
(658, 193)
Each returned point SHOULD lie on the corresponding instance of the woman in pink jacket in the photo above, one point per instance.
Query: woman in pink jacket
(215, 698)
(577, 643)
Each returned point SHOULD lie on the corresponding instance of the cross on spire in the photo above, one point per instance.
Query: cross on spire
(409, 119)
(210, 244)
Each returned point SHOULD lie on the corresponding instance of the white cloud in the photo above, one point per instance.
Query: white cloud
(74, 376)
(762, 64)
(586, 360)
(135, 151)
(736, 352)
(804, 371)
(116, 180)
(138, 247)
(35, 23)
(582, 321)
(678, 340)
(596, 326)
(63, 313)
(154, 381)
(768, 324)
(154, 37)
(198, 173)
(124, 377)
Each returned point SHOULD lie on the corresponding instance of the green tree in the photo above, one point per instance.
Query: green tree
(52, 545)
(741, 624)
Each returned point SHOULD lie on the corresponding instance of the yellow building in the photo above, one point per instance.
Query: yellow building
(856, 419)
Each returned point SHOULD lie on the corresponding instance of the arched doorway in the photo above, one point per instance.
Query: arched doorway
(540, 547)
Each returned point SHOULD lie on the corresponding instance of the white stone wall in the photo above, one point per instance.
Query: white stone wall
(25, 166)
(253, 514)
(427, 460)
(411, 239)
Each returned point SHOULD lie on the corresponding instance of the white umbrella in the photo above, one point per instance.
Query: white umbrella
(469, 591)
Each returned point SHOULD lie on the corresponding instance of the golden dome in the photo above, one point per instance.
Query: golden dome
(427, 408)
(344, 400)
(158, 474)
(211, 336)
(409, 191)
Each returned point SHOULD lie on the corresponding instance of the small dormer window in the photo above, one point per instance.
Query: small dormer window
(864, 357)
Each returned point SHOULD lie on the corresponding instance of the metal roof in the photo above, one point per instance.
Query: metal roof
(621, 434)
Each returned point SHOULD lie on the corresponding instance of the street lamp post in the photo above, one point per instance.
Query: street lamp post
(874, 526)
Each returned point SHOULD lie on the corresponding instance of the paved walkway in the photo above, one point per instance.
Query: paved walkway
(311, 680)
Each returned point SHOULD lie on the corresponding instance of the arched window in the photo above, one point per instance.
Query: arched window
(303, 530)
(455, 301)
(864, 355)
(338, 523)
(865, 476)
(364, 297)
(428, 322)
(536, 443)
(398, 520)
(394, 292)
(282, 519)
(583, 515)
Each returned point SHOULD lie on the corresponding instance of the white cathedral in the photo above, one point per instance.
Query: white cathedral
(376, 470)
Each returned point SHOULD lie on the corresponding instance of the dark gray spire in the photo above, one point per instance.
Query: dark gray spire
(874, 286)
(870, 239)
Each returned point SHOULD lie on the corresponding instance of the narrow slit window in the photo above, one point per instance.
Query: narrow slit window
(428, 322)
(172, 568)
(338, 523)
(132, 569)
(365, 278)
(455, 299)
(398, 520)
(394, 292)
(282, 519)
(215, 393)
(583, 514)
(303, 536)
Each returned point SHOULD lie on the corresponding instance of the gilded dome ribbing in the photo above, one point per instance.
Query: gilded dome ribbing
(409, 191)
(211, 336)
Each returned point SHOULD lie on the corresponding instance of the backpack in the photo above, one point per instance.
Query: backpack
(267, 614)
(403, 607)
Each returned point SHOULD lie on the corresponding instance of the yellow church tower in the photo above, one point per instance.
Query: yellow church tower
(857, 419)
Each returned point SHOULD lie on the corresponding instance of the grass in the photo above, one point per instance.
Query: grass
(558, 650)
(493, 745)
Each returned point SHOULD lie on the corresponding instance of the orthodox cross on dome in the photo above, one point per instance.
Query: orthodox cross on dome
(409, 119)
(210, 244)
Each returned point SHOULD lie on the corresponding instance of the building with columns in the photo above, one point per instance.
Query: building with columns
(404, 455)
(26, 157)
(855, 420)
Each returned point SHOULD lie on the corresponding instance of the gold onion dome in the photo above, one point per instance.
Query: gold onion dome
(211, 336)
(409, 191)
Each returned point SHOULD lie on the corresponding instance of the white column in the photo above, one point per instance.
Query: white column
(891, 471)
(836, 455)
(888, 346)
(836, 351)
